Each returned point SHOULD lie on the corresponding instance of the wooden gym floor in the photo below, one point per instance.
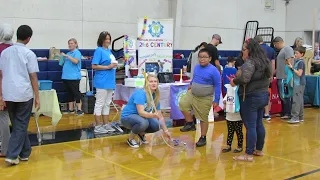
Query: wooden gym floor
(291, 152)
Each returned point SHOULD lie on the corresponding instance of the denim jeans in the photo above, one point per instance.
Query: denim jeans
(19, 144)
(285, 102)
(4, 131)
(251, 110)
(138, 124)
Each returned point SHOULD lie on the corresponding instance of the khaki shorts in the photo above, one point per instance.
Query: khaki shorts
(200, 105)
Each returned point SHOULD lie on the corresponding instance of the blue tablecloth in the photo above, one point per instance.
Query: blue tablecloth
(311, 93)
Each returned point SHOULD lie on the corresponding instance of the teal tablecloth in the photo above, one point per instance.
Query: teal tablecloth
(311, 93)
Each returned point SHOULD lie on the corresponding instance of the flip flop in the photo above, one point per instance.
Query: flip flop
(243, 158)
(258, 153)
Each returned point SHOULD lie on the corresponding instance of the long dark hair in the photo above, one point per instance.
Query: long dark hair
(198, 47)
(102, 36)
(258, 56)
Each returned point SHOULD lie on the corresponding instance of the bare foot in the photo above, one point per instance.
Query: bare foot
(245, 157)
(258, 153)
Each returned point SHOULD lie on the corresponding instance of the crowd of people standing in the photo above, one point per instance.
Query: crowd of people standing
(18, 72)
(252, 72)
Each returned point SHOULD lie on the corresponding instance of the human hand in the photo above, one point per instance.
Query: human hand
(167, 134)
(156, 116)
(290, 66)
(231, 82)
(112, 65)
(37, 104)
(214, 104)
(2, 104)
(63, 54)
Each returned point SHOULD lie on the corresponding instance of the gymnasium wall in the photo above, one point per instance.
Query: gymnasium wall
(227, 18)
(56, 21)
(300, 19)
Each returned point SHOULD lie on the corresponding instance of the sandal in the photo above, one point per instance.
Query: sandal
(239, 149)
(227, 149)
(258, 153)
(244, 157)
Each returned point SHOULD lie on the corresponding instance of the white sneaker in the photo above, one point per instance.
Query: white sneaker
(12, 161)
(100, 130)
(108, 128)
(292, 121)
(133, 143)
(301, 120)
(117, 127)
(23, 159)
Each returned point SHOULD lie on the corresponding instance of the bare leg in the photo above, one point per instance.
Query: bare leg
(79, 106)
(97, 118)
(267, 109)
(105, 119)
(71, 106)
(204, 128)
(187, 116)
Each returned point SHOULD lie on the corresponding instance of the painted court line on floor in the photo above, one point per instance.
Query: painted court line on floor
(294, 161)
(114, 163)
(303, 174)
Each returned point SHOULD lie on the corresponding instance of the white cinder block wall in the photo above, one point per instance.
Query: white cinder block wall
(56, 21)
(300, 19)
(202, 18)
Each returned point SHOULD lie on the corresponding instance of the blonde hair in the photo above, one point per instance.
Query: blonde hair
(156, 98)
(297, 40)
(75, 41)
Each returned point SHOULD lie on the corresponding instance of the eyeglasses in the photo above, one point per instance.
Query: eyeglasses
(203, 57)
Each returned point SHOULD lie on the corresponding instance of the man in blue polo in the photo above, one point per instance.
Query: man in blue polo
(271, 54)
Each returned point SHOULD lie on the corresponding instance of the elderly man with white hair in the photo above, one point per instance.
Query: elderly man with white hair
(6, 34)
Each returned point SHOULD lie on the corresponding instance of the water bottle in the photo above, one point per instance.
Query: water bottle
(285, 89)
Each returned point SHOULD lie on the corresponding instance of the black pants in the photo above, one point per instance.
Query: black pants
(73, 91)
(19, 143)
(232, 127)
(286, 103)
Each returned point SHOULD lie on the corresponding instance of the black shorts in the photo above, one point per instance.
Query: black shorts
(72, 87)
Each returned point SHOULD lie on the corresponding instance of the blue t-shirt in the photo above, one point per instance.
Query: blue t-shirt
(227, 71)
(271, 54)
(104, 79)
(71, 71)
(208, 75)
(138, 97)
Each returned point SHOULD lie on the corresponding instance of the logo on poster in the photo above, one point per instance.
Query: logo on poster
(156, 29)
(179, 95)
(130, 43)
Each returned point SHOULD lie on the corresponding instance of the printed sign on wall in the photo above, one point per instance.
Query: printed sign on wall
(155, 45)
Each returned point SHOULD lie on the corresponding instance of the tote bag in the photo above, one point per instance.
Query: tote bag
(232, 99)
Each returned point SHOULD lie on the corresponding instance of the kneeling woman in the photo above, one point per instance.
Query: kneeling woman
(138, 114)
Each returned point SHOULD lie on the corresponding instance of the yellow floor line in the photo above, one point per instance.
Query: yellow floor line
(294, 161)
(114, 163)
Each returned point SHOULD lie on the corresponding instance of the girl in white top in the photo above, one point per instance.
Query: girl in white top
(234, 124)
